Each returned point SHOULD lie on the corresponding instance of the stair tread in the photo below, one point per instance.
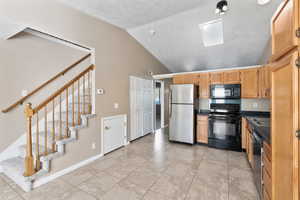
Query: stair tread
(15, 164)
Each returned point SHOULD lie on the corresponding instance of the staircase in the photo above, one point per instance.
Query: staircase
(50, 126)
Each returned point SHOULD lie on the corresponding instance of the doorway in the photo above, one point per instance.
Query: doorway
(159, 104)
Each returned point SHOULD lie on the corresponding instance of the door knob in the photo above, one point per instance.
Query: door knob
(106, 128)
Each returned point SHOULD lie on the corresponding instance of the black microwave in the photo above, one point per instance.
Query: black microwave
(227, 91)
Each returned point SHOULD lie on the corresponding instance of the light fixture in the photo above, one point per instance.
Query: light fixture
(263, 2)
(222, 7)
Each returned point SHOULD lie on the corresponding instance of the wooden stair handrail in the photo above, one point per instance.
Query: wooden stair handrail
(21, 101)
(61, 90)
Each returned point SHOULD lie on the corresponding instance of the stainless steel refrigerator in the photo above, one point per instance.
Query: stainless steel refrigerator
(183, 103)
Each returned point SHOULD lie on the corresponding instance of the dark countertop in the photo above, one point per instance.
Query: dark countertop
(261, 126)
(255, 114)
(203, 112)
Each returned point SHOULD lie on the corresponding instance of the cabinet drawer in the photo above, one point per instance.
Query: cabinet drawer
(202, 118)
(267, 183)
(267, 165)
(267, 151)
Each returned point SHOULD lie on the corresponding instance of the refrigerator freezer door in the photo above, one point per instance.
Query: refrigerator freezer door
(183, 94)
(182, 123)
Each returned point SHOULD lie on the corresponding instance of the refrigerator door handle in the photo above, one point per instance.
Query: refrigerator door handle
(170, 108)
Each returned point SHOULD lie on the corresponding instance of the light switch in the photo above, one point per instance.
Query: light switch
(116, 105)
(100, 91)
(93, 145)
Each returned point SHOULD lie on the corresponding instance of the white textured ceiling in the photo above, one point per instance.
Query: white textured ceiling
(132, 13)
(178, 41)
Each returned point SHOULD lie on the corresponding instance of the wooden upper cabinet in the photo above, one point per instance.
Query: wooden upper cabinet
(265, 82)
(216, 78)
(231, 77)
(204, 85)
(285, 123)
(178, 79)
(186, 79)
(250, 88)
(285, 23)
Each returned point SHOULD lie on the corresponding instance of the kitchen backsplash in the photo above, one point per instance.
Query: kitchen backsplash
(262, 105)
(204, 104)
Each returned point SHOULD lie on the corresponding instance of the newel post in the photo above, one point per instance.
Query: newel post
(29, 161)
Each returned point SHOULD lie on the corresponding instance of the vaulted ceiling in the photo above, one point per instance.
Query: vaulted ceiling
(177, 41)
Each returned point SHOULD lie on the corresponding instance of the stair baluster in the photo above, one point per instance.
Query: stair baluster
(83, 109)
(79, 120)
(60, 118)
(53, 126)
(73, 105)
(46, 132)
(67, 114)
(37, 143)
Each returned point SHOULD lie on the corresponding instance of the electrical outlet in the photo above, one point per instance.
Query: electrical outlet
(116, 105)
(93, 145)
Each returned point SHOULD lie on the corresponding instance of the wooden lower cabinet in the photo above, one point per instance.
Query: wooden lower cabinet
(267, 171)
(202, 129)
(285, 124)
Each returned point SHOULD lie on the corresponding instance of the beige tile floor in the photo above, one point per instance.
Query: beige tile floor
(150, 168)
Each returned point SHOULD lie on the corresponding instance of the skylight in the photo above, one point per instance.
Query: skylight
(212, 33)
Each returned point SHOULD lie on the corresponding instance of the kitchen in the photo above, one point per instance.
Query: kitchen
(235, 108)
(187, 100)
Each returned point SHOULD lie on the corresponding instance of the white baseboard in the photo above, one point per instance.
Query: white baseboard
(52, 177)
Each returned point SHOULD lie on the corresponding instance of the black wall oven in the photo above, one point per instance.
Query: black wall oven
(225, 118)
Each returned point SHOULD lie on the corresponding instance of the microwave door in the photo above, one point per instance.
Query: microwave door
(219, 93)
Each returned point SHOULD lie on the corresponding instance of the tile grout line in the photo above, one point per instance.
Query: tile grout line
(194, 178)
(13, 189)
(228, 177)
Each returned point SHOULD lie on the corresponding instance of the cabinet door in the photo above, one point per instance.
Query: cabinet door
(231, 77)
(265, 82)
(285, 123)
(186, 79)
(216, 78)
(285, 22)
(204, 85)
(244, 140)
(178, 79)
(202, 129)
(250, 83)
(250, 155)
